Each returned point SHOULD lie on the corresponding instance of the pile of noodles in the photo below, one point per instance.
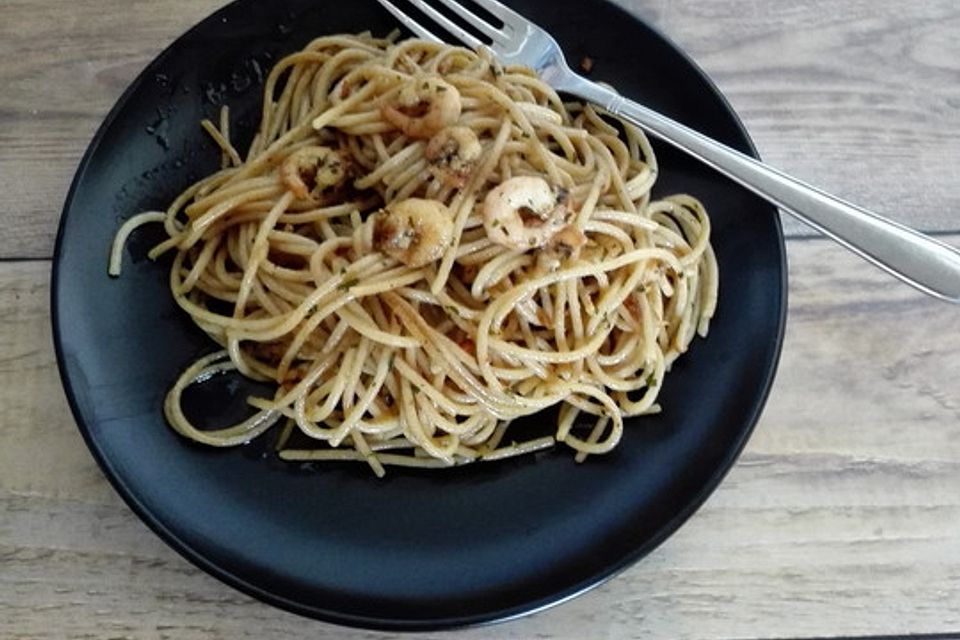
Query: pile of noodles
(421, 246)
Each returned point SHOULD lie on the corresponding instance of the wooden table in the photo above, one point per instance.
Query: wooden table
(842, 517)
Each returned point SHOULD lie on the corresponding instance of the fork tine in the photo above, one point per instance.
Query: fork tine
(479, 23)
(409, 22)
(505, 13)
(448, 24)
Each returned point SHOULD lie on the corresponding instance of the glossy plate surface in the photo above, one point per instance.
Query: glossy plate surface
(420, 549)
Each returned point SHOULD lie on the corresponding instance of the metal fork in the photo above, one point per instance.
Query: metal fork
(917, 259)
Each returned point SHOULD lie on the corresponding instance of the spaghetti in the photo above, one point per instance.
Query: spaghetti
(422, 246)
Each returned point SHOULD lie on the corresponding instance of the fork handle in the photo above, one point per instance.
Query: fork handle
(917, 259)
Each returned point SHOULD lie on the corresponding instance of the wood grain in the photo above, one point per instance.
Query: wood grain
(841, 517)
(63, 65)
(861, 97)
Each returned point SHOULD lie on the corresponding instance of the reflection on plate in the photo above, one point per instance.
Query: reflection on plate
(420, 549)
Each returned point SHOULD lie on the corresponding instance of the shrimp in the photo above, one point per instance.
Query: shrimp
(414, 231)
(308, 172)
(423, 107)
(524, 213)
(452, 154)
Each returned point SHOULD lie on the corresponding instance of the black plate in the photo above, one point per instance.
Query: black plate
(420, 549)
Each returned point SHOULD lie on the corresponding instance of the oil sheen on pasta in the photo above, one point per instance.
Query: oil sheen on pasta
(421, 246)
